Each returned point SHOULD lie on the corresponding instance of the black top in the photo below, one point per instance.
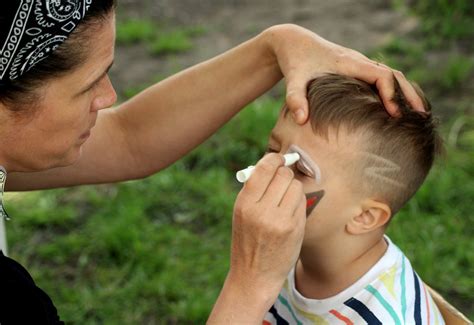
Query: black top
(21, 301)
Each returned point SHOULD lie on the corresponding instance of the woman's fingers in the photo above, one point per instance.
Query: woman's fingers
(302, 55)
(278, 187)
(383, 77)
(296, 99)
(271, 183)
(294, 199)
(264, 171)
(409, 91)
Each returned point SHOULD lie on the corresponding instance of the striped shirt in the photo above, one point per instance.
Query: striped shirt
(389, 293)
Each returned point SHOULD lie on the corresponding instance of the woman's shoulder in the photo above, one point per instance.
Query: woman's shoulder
(21, 300)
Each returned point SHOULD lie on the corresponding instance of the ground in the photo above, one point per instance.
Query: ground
(362, 25)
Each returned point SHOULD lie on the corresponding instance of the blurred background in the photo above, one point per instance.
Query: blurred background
(156, 251)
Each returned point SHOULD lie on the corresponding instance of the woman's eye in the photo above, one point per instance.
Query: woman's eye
(269, 150)
(96, 84)
(88, 90)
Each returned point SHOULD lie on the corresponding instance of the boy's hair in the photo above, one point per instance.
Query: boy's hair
(393, 154)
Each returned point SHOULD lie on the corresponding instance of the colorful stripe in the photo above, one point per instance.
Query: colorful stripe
(287, 305)
(316, 319)
(363, 311)
(435, 310)
(427, 306)
(388, 279)
(384, 303)
(403, 295)
(341, 317)
(417, 312)
(279, 320)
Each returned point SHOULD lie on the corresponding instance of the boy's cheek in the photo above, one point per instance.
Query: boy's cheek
(312, 200)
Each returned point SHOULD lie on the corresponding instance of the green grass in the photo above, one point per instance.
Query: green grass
(447, 73)
(158, 39)
(456, 71)
(135, 31)
(177, 40)
(442, 21)
(171, 42)
(134, 251)
(437, 55)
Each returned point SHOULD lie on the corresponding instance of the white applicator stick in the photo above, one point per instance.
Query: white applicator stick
(244, 174)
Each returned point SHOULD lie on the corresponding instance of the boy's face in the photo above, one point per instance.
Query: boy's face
(334, 203)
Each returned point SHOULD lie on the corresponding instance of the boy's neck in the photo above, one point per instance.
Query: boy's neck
(322, 272)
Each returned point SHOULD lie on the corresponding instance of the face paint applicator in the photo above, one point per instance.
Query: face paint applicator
(244, 174)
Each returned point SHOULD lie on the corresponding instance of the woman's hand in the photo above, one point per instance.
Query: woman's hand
(269, 217)
(302, 55)
(267, 233)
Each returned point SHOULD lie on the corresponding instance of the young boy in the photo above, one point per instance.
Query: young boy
(358, 167)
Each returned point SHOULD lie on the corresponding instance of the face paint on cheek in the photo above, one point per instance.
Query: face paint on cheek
(312, 200)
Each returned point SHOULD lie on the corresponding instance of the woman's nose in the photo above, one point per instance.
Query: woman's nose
(106, 95)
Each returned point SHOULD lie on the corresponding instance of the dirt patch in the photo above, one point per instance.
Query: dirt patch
(362, 25)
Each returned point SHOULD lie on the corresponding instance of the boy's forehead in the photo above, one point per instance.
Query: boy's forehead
(287, 131)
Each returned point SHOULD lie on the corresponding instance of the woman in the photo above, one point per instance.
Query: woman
(56, 131)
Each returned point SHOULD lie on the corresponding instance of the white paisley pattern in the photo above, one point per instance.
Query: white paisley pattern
(3, 178)
(37, 29)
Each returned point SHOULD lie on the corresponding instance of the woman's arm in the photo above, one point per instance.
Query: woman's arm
(267, 233)
(164, 122)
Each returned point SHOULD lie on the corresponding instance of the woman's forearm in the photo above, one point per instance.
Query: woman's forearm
(238, 304)
(172, 117)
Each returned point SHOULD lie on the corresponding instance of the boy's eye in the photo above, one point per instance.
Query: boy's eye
(300, 169)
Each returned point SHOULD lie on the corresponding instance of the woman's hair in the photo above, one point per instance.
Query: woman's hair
(20, 93)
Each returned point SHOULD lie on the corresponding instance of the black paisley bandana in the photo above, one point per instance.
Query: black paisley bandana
(3, 179)
(37, 28)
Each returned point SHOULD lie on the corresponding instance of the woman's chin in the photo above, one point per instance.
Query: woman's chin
(72, 157)
(61, 160)
(40, 165)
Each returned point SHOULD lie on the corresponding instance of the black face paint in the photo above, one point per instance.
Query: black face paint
(312, 200)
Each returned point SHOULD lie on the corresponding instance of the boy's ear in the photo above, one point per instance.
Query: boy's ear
(374, 215)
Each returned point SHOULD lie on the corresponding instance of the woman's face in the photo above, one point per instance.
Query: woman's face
(66, 112)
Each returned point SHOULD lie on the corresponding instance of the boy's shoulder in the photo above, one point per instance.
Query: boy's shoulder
(391, 292)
